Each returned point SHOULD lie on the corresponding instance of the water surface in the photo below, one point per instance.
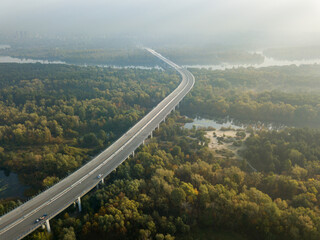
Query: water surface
(10, 185)
(4, 46)
(202, 122)
(227, 122)
(268, 62)
(8, 59)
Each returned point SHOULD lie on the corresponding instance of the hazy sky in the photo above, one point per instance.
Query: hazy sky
(200, 19)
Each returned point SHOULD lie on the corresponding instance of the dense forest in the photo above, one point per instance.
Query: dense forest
(273, 151)
(289, 95)
(177, 188)
(54, 118)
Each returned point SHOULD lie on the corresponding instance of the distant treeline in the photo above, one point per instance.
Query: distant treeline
(134, 56)
(289, 95)
(293, 53)
(128, 57)
(193, 56)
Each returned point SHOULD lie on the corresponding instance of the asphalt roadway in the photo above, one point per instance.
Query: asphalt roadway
(21, 221)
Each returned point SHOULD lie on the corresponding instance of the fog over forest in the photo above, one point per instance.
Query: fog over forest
(246, 22)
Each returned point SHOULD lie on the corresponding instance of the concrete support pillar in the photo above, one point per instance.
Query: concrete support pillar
(133, 154)
(79, 204)
(43, 226)
(102, 181)
(143, 142)
(48, 226)
(158, 126)
(151, 135)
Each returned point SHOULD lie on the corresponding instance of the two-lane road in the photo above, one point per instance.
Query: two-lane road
(21, 221)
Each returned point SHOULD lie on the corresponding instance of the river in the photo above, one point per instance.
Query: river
(227, 122)
(4, 46)
(268, 62)
(8, 59)
(10, 186)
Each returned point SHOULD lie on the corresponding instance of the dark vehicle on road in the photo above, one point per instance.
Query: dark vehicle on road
(40, 218)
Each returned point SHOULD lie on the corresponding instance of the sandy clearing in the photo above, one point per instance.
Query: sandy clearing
(215, 144)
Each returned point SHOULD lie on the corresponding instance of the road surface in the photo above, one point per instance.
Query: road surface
(21, 221)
